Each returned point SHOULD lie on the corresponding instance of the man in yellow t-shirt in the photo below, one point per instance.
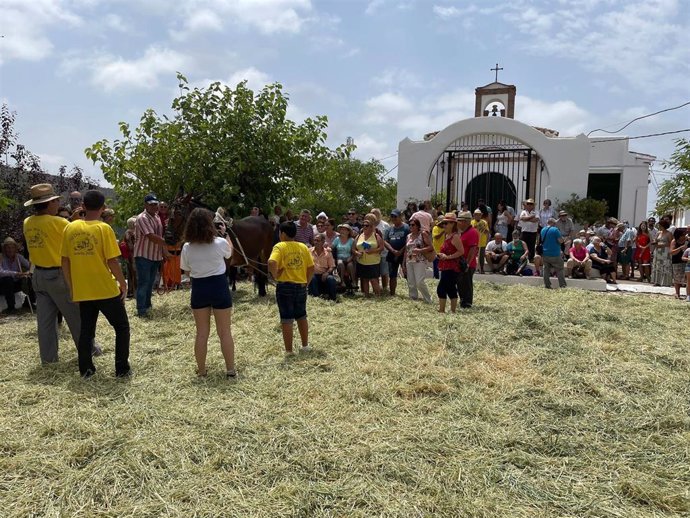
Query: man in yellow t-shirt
(292, 266)
(43, 233)
(90, 261)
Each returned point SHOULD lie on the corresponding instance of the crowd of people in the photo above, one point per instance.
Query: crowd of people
(76, 268)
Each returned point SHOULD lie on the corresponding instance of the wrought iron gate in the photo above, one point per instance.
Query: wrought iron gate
(489, 167)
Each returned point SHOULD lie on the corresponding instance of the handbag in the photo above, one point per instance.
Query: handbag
(429, 255)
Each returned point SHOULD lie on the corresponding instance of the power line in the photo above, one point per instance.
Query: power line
(639, 118)
(385, 158)
(641, 136)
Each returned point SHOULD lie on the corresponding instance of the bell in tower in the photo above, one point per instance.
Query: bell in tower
(495, 99)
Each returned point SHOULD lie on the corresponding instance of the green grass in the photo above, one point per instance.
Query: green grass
(533, 403)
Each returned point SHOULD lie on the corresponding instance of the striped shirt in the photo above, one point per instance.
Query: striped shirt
(305, 234)
(147, 224)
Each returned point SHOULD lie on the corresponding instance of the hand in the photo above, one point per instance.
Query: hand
(442, 257)
(324, 276)
(123, 292)
(166, 254)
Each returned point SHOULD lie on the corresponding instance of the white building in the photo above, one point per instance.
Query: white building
(494, 157)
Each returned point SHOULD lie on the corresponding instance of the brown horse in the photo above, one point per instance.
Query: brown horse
(252, 238)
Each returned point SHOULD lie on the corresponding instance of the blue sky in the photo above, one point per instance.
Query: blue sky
(381, 70)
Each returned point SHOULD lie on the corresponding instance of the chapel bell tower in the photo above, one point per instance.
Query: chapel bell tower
(495, 99)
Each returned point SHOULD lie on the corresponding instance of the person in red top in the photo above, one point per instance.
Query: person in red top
(470, 244)
(449, 264)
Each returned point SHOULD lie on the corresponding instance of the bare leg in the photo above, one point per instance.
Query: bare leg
(202, 319)
(303, 327)
(453, 305)
(223, 319)
(375, 286)
(393, 285)
(287, 336)
(442, 305)
(365, 287)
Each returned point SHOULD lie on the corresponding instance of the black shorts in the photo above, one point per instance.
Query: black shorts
(212, 292)
(368, 271)
(292, 301)
(394, 263)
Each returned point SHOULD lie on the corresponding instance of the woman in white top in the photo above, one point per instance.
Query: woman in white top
(203, 258)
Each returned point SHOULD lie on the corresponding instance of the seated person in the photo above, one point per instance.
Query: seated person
(518, 255)
(497, 253)
(344, 256)
(578, 257)
(14, 274)
(323, 281)
(599, 255)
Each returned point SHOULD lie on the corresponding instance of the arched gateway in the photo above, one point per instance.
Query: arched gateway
(493, 156)
(490, 167)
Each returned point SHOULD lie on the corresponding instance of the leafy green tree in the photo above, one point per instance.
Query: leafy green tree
(674, 194)
(584, 211)
(343, 183)
(234, 147)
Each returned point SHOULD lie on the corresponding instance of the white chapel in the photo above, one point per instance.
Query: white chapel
(495, 157)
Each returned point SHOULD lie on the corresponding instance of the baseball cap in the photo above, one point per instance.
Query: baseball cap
(396, 213)
(150, 198)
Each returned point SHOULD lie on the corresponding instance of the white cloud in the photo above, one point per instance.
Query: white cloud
(268, 16)
(416, 117)
(116, 23)
(114, 73)
(24, 26)
(373, 6)
(256, 79)
(446, 12)
(397, 78)
(369, 147)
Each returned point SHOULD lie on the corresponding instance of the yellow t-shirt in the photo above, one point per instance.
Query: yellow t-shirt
(43, 236)
(89, 245)
(367, 259)
(483, 229)
(293, 259)
(438, 236)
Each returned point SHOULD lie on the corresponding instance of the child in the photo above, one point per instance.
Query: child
(90, 263)
(292, 267)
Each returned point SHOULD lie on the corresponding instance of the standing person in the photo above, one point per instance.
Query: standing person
(203, 257)
(529, 223)
(129, 241)
(482, 227)
(643, 255)
(424, 216)
(381, 229)
(545, 213)
(149, 251)
(566, 227)
(552, 257)
(437, 238)
(415, 263)
(92, 272)
(305, 231)
(14, 274)
(686, 261)
(394, 240)
(292, 267)
(43, 232)
(470, 245)
(353, 221)
(626, 244)
(662, 272)
(330, 234)
(409, 210)
(108, 216)
(678, 247)
(75, 201)
(368, 247)
(504, 220)
(449, 264)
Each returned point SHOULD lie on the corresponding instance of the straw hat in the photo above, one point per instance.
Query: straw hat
(450, 216)
(41, 193)
(529, 200)
(345, 225)
(465, 215)
(562, 213)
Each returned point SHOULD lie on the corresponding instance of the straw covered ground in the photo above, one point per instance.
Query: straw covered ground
(533, 403)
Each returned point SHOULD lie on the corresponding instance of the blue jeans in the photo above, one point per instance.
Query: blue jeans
(318, 286)
(146, 276)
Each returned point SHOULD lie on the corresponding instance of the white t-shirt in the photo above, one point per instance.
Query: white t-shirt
(493, 246)
(381, 227)
(205, 260)
(528, 226)
(425, 219)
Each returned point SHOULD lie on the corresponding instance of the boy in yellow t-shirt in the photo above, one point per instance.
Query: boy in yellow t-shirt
(292, 266)
(92, 271)
(483, 228)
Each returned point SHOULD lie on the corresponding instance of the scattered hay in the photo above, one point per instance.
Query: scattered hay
(534, 403)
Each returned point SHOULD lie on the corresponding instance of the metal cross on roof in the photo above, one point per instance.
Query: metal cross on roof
(496, 69)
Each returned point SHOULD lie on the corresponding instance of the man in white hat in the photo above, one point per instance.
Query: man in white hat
(43, 233)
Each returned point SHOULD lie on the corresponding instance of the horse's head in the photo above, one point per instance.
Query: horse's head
(177, 217)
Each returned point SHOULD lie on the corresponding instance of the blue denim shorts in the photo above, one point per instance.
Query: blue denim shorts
(292, 301)
(211, 292)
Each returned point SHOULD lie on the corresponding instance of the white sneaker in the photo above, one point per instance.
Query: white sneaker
(305, 349)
